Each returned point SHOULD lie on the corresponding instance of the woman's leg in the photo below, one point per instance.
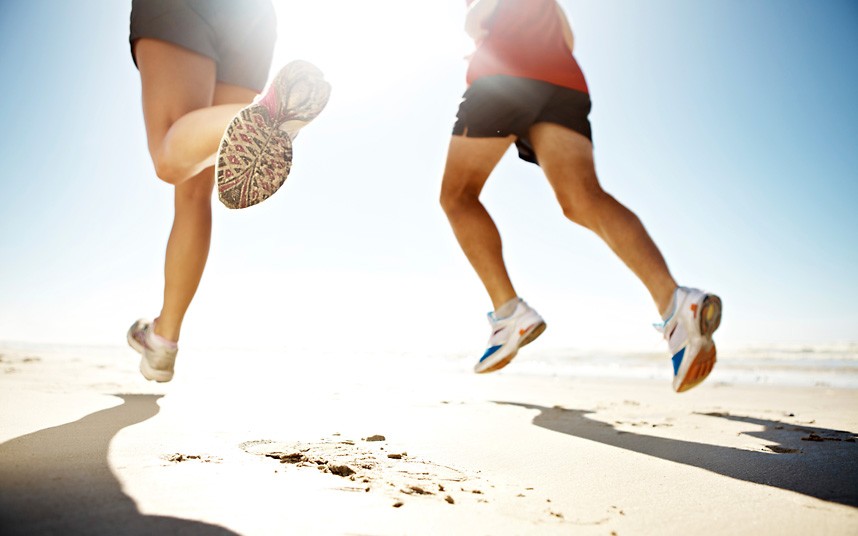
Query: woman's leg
(184, 120)
(180, 89)
(188, 246)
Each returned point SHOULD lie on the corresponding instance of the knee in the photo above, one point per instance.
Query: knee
(166, 169)
(585, 209)
(454, 200)
(449, 199)
(457, 195)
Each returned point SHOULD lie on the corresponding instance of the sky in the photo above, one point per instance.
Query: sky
(729, 127)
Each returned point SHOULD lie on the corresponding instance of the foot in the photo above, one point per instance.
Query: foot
(255, 154)
(158, 354)
(688, 332)
(509, 334)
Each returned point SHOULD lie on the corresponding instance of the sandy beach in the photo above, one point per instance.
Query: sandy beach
(294, 443)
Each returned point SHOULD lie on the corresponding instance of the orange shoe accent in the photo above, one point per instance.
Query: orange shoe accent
(700, 369)
(694, 309)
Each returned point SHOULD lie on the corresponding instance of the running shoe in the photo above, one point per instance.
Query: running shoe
(158, 354)
(688, 332)
(255, 154)
(509, 334)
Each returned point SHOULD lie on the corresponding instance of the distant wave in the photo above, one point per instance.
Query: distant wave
(831, 365)
(824, 365)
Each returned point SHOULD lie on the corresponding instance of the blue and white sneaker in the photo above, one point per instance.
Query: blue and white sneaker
(688, 332)
(509, 334)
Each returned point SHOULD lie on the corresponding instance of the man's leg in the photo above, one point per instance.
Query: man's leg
(566, 157)
(469, 163)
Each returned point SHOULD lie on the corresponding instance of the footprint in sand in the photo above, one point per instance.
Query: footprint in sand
(369, 464)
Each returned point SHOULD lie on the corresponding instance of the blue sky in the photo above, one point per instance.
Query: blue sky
(729, 127)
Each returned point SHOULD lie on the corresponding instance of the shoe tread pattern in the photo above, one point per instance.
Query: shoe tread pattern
(254, 160)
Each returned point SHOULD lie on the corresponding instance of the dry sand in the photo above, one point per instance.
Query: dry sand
(288, 443)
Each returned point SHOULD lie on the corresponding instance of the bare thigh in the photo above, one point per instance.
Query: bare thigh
(175, 81)
(566, 158)
(470, 161)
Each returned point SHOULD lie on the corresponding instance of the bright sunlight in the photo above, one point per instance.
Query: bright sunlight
(369, 46)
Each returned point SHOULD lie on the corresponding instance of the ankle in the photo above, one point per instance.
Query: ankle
(269, 101)
(164, 332)
(507, 308)
(667, 304)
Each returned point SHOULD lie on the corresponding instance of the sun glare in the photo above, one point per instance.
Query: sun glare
(372, 44)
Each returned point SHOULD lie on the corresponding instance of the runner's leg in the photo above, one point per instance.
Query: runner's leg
(176, 85)
(190, 237)
(566, 157)
(184, 124)
(469, 163)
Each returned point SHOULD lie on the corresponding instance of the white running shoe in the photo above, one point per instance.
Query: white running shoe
(158, 354)
(509, 334)
(688, 332)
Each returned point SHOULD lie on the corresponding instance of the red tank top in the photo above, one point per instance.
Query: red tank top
(525, 39)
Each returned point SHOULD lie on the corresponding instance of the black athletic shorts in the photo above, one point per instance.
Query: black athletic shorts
(237, 34)
(498, 106)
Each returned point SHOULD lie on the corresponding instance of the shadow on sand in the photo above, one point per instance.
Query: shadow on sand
(816, 462)
(58, 480)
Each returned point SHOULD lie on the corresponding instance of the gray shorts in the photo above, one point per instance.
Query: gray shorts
(238, 35)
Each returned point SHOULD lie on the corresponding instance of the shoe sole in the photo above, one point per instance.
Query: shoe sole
(528, 338)
(160, 376)
(254, 160)
(704, 361)
(255, 155)
(710, 315)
